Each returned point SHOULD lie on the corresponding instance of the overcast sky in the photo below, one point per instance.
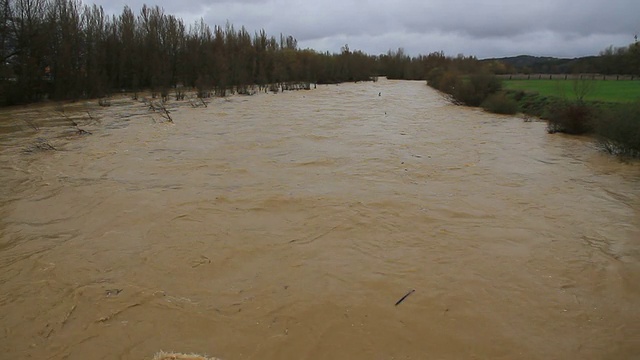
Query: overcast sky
(483, 28)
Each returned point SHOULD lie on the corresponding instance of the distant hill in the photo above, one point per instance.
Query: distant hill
(525, 60)
(547, 65)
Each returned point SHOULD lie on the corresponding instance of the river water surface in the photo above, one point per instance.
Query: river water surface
(286, 226)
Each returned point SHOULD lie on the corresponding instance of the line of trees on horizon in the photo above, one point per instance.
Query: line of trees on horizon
(623, 60)
(63, 49)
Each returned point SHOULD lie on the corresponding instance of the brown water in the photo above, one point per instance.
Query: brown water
(287, 226)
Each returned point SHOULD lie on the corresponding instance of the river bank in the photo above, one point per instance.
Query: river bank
(614, 124)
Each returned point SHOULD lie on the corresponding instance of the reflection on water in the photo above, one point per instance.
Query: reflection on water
(287, 226)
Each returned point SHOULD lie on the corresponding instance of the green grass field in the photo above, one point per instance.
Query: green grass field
(596, 90)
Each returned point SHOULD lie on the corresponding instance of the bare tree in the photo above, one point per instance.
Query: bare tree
(583, 87)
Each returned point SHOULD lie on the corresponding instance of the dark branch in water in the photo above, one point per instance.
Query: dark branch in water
(40, 145)
(405, 296)
(33, 126)
(164, 112)
(159, 107)
(79, 131)
(64, 115)
(197, 103)
(92, 119)
(45, 145)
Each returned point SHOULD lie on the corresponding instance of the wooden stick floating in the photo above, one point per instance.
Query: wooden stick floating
(405, 296)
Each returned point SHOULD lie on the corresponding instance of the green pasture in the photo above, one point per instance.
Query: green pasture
(595, 90)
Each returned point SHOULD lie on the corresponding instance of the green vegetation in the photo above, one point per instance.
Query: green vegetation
(500, 103)
(614, 123)
(618, 130)
(600, 90)
(532, 103)
(472, 90)
(571, 117)
(480, 88)
(602, 108)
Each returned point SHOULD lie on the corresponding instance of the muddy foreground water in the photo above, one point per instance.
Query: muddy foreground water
(286, 226)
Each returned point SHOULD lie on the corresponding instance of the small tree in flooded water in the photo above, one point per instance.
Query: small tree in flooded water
(574, 116)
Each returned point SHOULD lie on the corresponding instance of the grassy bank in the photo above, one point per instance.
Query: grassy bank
(596, 90)
(607, 110)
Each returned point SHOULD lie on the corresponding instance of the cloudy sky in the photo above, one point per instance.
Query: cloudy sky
(483, 28)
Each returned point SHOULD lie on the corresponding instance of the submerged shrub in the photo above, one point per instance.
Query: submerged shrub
(485, 83)
(618, 130)
(465, 94)
(434, 76)
(476, 88)
(449, 82)
(518, 94)
(500, 103)
(571, 118)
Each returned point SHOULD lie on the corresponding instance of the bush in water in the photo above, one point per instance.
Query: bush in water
(618, 130)
(571, 118)
(500, 103)
(476, 88)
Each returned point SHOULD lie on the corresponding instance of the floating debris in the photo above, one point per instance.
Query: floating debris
(112, 292)
(40, 145)
(181, 356)
(405, 296)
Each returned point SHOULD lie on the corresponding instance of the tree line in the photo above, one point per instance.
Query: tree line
(62, 49)
(623, 60)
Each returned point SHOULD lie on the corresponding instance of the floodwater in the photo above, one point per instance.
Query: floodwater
(286, 226)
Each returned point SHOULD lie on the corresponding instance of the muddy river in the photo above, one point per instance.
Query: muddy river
(287, 226)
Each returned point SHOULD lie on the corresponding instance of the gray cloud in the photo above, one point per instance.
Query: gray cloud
(566, 28)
